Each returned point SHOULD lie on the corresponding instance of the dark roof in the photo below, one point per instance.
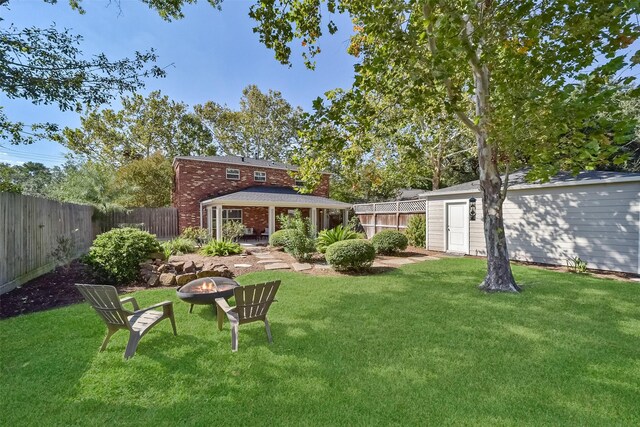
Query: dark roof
(408, 194)
(278, 195)
(239, 160)
(517, 180)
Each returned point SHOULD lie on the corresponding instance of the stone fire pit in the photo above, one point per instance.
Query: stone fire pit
(206, 290)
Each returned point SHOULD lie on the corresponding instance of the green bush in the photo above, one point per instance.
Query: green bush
(417, 231)
(299, 245)
(279, 238)
(221, 248)
(118, 253)
(389, 241)
(337, 234)
(179, 246)
(197, 234)
(355, 254)
(232, 230)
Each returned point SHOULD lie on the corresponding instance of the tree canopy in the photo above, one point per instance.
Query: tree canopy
(47, 66)
(265, 127)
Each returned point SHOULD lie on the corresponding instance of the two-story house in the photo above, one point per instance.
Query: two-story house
(211, 190)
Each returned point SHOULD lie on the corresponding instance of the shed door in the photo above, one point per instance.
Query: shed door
(456, 235)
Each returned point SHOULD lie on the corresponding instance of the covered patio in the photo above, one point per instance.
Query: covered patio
(258, 207)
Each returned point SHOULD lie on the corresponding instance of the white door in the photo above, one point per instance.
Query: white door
(456, 227)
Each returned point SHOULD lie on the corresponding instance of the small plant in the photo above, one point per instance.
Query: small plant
(351, 255)
(577, 265)
(197, 234)
(337, 234)
(232, 230)
(221, 248)
(178, 246)
(118, 253)
(279, 238)
(389, 242)
(417, 231)
(64, 250)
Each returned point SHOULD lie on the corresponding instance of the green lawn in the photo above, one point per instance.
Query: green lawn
(415, 346)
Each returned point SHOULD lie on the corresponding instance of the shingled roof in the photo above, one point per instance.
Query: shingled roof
(275, 196)
(240, 160)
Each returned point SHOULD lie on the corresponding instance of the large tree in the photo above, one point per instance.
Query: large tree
(533, 73)
(142, 127)
(46, 66)
(265, 127)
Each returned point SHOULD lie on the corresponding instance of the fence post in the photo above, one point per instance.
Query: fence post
(397, 216)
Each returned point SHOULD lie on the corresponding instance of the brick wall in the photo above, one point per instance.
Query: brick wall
(197, 180)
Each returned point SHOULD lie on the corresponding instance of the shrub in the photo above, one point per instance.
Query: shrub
(232, 230)
(197, 234)
(417, 231)
(179, 246)
(64, 250)
(337, 234)
(577, 265)
(300, 245)
(118, 253)
(300, 242)
(279, 238)
(355, 254)
(221, 248)
(389, 241)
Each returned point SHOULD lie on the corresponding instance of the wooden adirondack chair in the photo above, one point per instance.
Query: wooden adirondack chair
(104, 299)
(252, 305)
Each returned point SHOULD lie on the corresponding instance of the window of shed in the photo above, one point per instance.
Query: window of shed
(233, 173)
(260, 176)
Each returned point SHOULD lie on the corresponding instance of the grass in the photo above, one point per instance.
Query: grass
(419, 345)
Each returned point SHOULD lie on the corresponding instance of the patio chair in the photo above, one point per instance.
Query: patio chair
(104, 299)
(248, 232)
(266, 233)
(252, 305)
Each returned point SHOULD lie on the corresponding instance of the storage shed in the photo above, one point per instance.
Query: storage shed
(594, 215)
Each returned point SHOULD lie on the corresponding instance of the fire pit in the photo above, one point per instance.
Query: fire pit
(206, 290)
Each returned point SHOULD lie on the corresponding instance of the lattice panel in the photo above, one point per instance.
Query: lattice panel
(412, 206)
(386, 207)
(363, 209)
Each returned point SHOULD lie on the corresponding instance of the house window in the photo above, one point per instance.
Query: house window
(233, 173)
(260, 176)
(231, 215)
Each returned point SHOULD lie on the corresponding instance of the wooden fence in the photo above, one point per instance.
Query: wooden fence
(376, 217)
(31, 226)
(163, 222)
(29, 229)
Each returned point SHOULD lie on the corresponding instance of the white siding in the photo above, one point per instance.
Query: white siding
(599, 223)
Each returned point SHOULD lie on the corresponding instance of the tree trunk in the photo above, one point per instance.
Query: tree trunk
(499, 277)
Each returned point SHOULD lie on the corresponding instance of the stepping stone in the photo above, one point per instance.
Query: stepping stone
(242, 265)
(323, 266)
(277, 266)
(297, 266)
(269, 261)
(397, 261)
(423, 258)
(263, 255)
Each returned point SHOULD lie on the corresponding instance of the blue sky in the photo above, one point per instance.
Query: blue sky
(214, 54)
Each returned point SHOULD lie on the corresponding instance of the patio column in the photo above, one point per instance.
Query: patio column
(314, 218)
(325, 219)
(218, 222)
(210, 220)
(345, 217)
(272, 219)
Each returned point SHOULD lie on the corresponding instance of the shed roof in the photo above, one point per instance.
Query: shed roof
(563, 179)
(275, 196)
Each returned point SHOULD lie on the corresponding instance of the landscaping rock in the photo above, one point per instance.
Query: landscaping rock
(167, 279)
(164, 268)
(183, 279)
(153, 280)
(189, 267)
(199, 266)
(207, 273)
(269, 261)
(242, 265)
(177, 265)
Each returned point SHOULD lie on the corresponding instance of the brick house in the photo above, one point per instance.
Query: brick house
(207, 191)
